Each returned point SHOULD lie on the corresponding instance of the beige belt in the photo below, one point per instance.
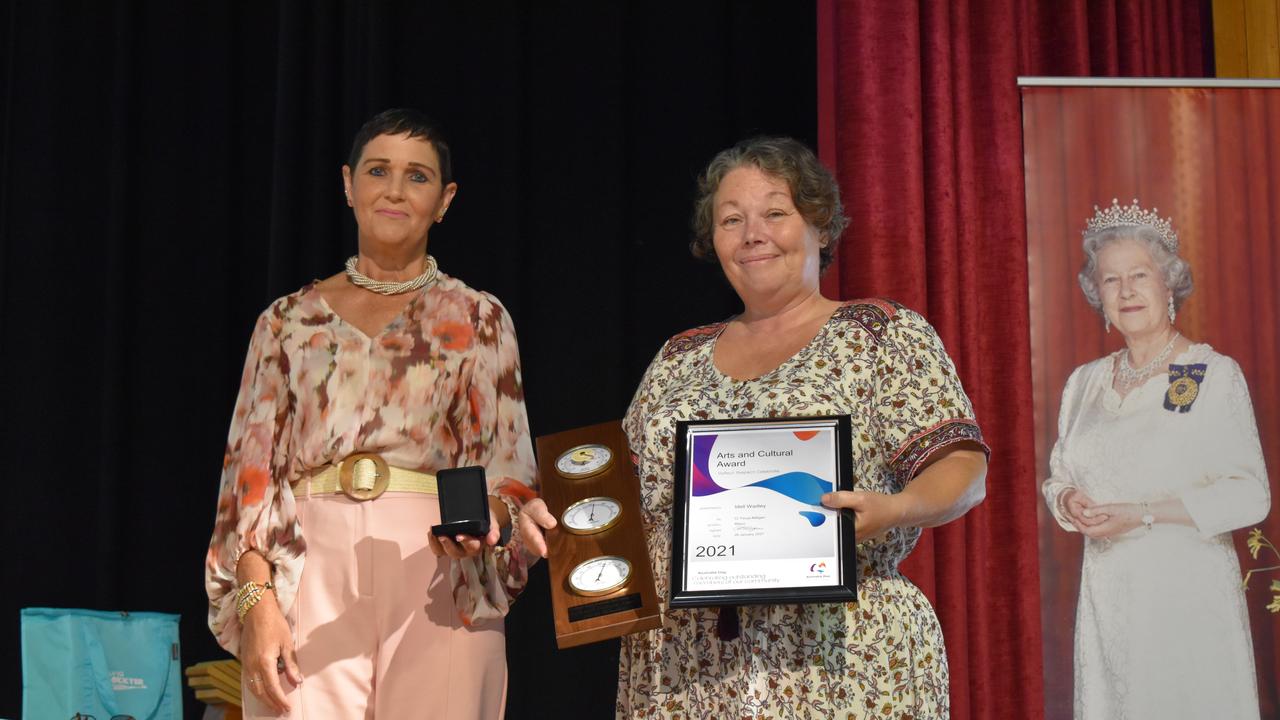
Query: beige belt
(364, 476)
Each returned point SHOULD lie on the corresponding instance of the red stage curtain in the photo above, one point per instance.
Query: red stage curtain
(919, 117)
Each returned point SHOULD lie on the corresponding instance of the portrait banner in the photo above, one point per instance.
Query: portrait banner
(1155, 528)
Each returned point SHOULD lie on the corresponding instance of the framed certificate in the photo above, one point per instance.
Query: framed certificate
(748, 523)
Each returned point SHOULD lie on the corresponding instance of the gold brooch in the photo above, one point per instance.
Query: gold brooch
(1182, 392)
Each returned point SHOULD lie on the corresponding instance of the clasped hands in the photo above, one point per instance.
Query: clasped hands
(1098, 520)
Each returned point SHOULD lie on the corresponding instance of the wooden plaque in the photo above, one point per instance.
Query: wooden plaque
(632, 607)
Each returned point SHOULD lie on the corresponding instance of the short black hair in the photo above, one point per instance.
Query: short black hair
(404, 121)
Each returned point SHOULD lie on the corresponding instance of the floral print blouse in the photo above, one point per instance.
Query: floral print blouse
(882, 657)
(439, 387)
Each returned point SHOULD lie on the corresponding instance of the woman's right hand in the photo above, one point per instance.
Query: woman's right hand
(535, 519)
(875, 513)
(266, 643)
(1076, 503)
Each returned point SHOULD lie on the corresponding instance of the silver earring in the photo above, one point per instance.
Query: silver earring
(1106, 324)
(1172, 312)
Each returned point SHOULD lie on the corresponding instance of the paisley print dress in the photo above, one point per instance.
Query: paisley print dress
(880, 658)
(439, 387)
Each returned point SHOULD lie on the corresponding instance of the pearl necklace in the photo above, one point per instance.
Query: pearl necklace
(359, 279)
(1129, 377)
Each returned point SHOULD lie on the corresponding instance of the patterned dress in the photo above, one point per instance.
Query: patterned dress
(439, 387)
(881, 658)
(1161, 625)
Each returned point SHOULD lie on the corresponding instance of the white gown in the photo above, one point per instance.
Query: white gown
(1161, 625)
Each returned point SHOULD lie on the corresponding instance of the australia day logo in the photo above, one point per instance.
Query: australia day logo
(818, 567)
(803, 487)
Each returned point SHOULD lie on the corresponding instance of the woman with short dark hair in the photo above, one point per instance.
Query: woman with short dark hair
(357, 389)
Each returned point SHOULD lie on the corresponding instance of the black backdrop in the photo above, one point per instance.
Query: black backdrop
(169, 168)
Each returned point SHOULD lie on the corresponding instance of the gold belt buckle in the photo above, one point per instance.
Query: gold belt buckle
(358, 488)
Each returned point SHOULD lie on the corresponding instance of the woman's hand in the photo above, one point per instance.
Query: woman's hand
(1111, 520)
(875, 513)
(534, 519)
(266, 644)
(465, 546)
(949, 484)
(1080, 509)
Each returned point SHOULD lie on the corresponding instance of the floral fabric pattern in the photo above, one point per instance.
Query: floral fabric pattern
(439, 387)
(880, 658)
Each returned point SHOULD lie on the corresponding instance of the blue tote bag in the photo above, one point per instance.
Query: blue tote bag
(100, 664)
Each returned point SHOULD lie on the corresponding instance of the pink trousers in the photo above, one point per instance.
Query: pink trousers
(377, 633)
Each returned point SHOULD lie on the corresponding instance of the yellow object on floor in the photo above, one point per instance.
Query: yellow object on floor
(217, 683)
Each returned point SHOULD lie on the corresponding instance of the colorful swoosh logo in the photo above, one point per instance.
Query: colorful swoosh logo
(801, 486)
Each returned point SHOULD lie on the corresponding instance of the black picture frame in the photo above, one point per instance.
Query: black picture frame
(846, 588)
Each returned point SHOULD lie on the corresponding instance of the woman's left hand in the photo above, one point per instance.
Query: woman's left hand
(465, 546)
(875, 513)
(1118, 518)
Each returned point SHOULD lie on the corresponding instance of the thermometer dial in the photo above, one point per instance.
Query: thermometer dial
(591, 515)
(600, 575)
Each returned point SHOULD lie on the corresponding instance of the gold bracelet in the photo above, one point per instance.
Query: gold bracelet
(248, 596)
(247, 588)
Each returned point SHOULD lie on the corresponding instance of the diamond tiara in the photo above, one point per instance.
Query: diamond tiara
(1129, 216)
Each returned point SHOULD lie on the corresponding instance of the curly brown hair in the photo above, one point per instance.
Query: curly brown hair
(813, 190)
